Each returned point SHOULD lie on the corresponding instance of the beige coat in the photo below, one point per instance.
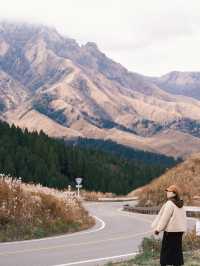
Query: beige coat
(170, 218)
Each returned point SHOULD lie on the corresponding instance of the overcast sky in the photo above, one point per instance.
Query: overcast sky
(151, 37)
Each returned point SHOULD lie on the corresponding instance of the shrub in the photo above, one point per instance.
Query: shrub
(28, 211)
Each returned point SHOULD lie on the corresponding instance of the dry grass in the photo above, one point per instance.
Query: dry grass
(94, 195)
(186, 176)
(191, 241)
(28, 211)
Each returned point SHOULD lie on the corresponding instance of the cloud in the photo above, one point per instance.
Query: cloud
(150, 37)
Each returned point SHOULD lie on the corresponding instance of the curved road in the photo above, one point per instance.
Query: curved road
(116, 235)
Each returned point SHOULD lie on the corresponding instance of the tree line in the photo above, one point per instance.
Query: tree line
(37, 158)
(125, 151)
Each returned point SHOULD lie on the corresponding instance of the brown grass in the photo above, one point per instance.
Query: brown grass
(191, 241)
(28, 211)
(94, 195)
(186, 176)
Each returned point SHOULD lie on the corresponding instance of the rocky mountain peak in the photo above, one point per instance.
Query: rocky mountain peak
(92, 46)
(48, 79)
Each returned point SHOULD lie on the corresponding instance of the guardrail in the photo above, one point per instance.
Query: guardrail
(118, 199)
(111, 199)
(190, 210)
(142, 210)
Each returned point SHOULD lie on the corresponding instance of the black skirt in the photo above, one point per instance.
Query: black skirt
(171, 250)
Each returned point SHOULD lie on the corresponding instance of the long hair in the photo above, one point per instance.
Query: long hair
(177, 200)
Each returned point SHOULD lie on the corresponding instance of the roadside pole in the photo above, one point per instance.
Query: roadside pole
(78, 186)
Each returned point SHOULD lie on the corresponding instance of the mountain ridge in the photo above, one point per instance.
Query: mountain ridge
(73, 90)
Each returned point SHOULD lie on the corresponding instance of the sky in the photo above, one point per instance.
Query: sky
(151, 37)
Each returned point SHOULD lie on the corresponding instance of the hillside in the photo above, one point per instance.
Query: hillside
(33, 211)
(187, 177)
(37, 158)
(50, 82)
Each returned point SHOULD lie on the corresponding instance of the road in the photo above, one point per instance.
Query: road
(116, 235)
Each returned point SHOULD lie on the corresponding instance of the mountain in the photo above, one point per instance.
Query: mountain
(181, 83)
(50, 82)
(185, 175)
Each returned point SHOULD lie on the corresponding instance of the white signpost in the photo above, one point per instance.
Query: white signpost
(198, 227)
(78, 186)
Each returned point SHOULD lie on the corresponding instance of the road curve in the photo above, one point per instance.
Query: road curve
(116, 234)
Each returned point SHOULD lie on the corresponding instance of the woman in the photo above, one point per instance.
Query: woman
(172, 220)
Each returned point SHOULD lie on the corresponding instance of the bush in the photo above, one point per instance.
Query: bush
(151, 244)
(29, 211)
(191, 241)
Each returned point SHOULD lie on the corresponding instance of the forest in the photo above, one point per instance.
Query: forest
(124, 151)
(37, 158)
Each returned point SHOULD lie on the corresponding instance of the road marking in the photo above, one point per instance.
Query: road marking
(103, 225)
(73, 245)
(99, 259)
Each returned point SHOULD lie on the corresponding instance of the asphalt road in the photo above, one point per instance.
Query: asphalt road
(115, 236)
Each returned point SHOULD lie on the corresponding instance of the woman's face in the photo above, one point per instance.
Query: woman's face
(170, 194)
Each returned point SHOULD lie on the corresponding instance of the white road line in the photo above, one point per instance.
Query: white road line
(103, 224)
(99, 259)
(73, 245)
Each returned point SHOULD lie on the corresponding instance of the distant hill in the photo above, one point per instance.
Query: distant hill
(185, 175)
(181, 83)
(49, 82)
